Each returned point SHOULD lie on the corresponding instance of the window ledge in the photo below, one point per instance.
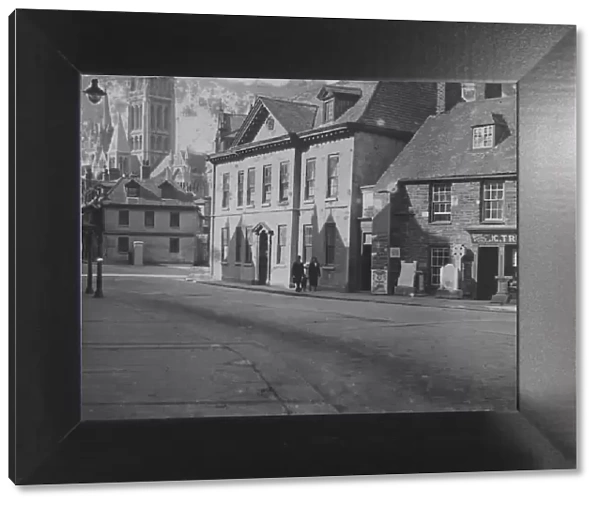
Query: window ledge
(248, 264)
(440, 223)
(250, 206)
(331, 199)
(266, 204)
(493, 222)
(224, 262)
(309, 201)
(284, 202)
(328, 267)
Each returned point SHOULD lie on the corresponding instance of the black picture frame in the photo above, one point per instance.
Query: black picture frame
(51, 49)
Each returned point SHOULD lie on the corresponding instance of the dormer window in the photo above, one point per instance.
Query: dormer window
(328, 110)
(132, 189)
(270, 123)
(337, 100)
(483, 137)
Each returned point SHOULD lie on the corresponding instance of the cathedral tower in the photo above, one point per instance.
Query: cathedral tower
(151, 125)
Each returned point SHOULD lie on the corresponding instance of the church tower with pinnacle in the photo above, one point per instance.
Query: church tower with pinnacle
(151, 125)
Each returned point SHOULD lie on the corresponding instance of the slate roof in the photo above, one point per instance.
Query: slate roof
(235, 121)
(442, 147)
(293, 116)
(150, 194)
(389, 105)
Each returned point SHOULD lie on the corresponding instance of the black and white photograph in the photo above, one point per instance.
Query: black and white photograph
(293, 247)
(257, 246)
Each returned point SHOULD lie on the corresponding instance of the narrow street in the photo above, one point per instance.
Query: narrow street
(158, 347)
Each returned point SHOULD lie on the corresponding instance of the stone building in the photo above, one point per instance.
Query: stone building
(289, 182)
(151, 118)
(157, 213)
(454, 184)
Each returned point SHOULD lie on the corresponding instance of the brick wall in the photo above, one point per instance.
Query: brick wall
(411, 229)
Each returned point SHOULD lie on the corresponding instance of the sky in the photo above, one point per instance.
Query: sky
(198, 100)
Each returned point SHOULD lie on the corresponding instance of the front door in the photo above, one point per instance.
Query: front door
(487, 270)
(366, 263)
(263, 258)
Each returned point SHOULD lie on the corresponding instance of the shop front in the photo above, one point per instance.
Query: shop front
(496, 263)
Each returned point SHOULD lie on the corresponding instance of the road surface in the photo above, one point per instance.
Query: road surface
(159, 347)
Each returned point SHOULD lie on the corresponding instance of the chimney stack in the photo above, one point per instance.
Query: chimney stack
(448, 95)
(146, 171)
(440, 106)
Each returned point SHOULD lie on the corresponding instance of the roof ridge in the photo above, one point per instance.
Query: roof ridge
(287, 101)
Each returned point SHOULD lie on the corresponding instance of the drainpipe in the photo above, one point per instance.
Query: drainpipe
(212, 220)
(296, 182)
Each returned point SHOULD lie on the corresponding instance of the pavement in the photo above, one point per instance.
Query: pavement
(159, 346)
(201, 274)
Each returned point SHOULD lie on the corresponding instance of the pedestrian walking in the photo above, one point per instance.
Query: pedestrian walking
(304, 276)
(298, 273)
(314, 273)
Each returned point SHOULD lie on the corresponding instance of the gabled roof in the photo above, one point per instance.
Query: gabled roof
(119, 142)
(442, 147)
(391, 106)
(293, 117)
(150, 193)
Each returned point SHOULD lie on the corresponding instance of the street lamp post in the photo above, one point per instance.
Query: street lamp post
(90, 272)
(99, 294)
(95, 94)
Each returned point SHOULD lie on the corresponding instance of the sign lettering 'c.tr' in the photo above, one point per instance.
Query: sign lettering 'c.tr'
(494, 238)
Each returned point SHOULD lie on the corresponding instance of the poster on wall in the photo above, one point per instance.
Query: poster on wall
(379, 281)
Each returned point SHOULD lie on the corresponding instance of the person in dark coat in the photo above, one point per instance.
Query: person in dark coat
(298, 273)
(314, 273)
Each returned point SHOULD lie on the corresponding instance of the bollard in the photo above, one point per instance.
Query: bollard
(99, 292)
(90, 270)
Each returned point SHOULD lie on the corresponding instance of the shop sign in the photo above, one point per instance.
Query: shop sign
(494, 238)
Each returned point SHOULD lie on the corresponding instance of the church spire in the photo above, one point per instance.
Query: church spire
(106, 119)
(119, 143)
